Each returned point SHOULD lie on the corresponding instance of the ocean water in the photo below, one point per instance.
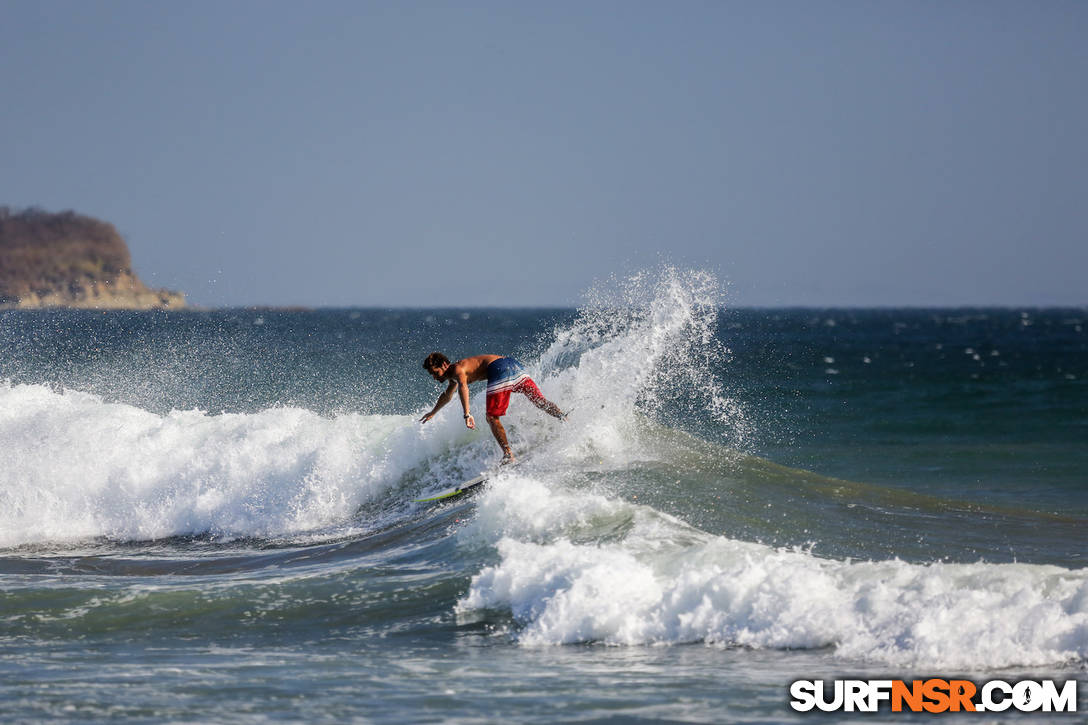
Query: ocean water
(208, 516)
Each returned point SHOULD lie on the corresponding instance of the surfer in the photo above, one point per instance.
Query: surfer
(504, 375)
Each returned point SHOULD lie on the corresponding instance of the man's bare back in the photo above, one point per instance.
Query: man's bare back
(473, 369)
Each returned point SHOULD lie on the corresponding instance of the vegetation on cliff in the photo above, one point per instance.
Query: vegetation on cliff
(69, 260)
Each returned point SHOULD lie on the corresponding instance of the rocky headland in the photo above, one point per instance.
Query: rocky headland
(70, 260)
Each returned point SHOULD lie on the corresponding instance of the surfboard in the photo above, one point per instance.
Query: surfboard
(462, 488)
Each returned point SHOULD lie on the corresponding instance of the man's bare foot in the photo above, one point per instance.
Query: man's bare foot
(507, 459)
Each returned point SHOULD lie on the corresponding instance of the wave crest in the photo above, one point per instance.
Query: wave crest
(76, 467)
(662, 582)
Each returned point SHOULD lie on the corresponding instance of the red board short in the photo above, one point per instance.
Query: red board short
(505, 376)
(497, 403)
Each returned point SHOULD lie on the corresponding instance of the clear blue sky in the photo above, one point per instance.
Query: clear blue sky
(510, 153)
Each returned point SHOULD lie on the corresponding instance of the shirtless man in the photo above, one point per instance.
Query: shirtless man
(504, 375)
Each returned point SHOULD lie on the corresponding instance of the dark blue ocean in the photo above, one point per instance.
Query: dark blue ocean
(209, 516)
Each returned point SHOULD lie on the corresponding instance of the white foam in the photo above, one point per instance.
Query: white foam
(73, 466)
(664, 582)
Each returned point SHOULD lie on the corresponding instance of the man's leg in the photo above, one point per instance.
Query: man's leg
(496, 408)
(532, 392)
(500, 435)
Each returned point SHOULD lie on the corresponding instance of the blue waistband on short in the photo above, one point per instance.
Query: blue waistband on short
(502, 369)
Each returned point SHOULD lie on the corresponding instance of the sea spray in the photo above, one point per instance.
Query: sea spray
(647, 345)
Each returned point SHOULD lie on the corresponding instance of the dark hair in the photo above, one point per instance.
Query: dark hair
(434, 360)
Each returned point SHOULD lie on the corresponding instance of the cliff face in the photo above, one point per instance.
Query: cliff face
(70, 260)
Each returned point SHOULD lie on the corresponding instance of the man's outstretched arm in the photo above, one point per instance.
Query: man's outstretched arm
(444, 398)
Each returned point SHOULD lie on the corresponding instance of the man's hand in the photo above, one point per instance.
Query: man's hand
(469, 422)
(427, 417)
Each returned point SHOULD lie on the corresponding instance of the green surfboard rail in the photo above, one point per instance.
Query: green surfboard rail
(466, 486)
